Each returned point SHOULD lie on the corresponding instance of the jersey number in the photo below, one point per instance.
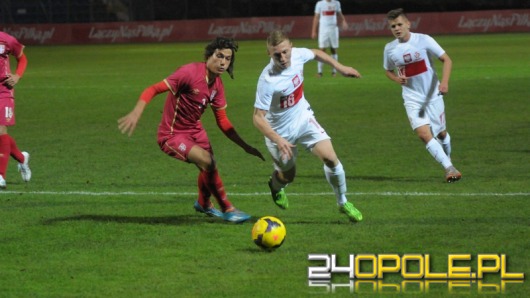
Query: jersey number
(287, 101)
(9, 112)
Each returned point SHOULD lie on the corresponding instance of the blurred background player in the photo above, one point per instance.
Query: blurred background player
(407, 61)
(8, 147)
(192, 88)
(325, 19)
(283, 115)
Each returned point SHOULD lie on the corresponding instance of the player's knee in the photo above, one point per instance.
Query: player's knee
(330, 162)
(286, 177)
(206, 163)
(442, 135)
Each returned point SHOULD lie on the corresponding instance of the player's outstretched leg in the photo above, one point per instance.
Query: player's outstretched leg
(203, 203)
(215, 186)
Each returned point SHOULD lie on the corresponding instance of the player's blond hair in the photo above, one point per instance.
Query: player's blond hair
(276, 37)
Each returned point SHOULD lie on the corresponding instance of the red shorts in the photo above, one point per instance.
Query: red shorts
(179, 145)
(7, 111)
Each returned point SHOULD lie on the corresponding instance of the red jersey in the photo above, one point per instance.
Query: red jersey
(8, 46)
(188, 98)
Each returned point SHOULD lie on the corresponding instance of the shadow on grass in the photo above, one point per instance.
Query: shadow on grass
(176, 220)
(159, 220)
(374, 178)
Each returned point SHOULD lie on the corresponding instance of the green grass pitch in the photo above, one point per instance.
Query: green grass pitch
(106, 215)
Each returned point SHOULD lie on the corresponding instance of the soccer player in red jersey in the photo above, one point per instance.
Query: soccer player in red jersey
(192, 87)
(9, 45)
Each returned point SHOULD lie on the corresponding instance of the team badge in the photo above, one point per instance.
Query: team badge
(296, 81)
(182, 147)
(407, 58)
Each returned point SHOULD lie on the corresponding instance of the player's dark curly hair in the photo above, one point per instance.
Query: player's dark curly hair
(222, 43)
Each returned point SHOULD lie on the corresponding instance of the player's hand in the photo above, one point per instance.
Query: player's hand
(349, 72)
(402, 80)
(128, 123)
(255, 152)
(11, 80)
(285, 148)
(443, 89)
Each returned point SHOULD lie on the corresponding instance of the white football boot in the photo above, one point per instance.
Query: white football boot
(23, 168)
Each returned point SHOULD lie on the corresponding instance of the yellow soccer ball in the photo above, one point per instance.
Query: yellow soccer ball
(268, 232)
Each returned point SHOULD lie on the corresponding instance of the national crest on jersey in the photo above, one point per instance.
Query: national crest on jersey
(413, 66)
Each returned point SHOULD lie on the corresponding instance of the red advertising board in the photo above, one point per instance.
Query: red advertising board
(493, 21)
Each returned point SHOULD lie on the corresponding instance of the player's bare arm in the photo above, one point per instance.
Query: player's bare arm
(230, 132)
(13, 78)
(346, 71)
(446, 73)
(315, 26)
(402, 80)
(264, 127)
(344, 24)
(128, 123)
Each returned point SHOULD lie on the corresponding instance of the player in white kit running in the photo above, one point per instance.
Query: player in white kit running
(283, 115)
(327, 15)
(407, 61)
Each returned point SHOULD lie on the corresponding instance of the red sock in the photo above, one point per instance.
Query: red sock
(5, 150)
(15, 153)
(204, 193)
(215, 186)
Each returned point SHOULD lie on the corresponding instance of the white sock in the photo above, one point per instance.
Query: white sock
(336, 57)
(337, 179)
(436, 150)
(446, 145)
(319, 66)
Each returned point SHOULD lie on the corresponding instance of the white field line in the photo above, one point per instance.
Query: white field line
(378, 194)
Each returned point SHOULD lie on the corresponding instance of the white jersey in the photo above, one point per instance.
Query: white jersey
(281, 93)
(413, 59)
(328, 11)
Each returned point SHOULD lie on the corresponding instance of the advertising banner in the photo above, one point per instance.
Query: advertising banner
(493, 21)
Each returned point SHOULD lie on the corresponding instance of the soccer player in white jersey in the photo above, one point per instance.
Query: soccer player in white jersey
(327, 13)
(283, 115)
(407, 61)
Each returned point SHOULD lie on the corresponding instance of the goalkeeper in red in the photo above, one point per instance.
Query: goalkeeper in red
(192, 87)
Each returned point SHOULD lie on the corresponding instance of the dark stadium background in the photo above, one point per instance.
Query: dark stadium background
(80, 11)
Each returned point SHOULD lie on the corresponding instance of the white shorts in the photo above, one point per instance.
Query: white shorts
(328, 37)
(434, 115)
(306, 134)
